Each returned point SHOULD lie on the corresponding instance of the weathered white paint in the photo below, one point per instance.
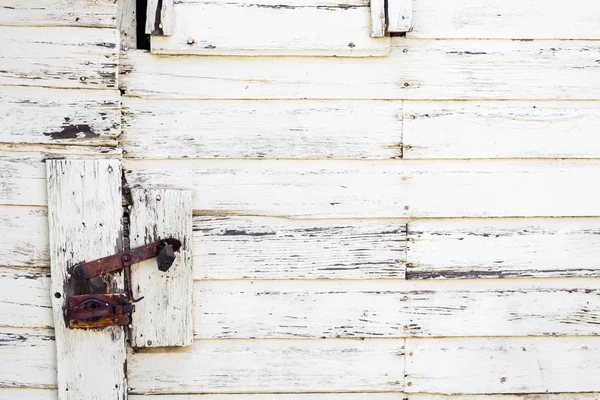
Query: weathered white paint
(239, 247)
(23, 174)
(127, 24)
(528, 396)
(367, 396)
(28, 358)
(271, 129)
(59, 57)
(361, 189)
(100, 13)
(24, 299)
(84, 214)
(378, 26)
(231, 366)
(164, 317)
(499, 365)
(509, 19)
(33, 394)
(330, 309)
(239, 28)
(24, 237)
(399, 15)
(501, 129)
(59, 116)
(480, 248)
(159, 22)
(416, 69)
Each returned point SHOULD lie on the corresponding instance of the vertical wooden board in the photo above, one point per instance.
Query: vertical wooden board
(24, 300)
(493, 129)
(84, 215)
(503, 365)
(24, 237)
(399, 13)
(127, 24)
(503, 248)
(159, 18)
(164, 316)
(378, 18)
(28, 358)
(269, 366)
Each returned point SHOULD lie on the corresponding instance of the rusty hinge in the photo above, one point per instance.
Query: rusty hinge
(101, 310)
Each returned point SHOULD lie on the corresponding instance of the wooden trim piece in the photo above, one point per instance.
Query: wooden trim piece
(127, 24)
(159, 18)
(84, 215)
(164, 317)
(234, 366)
(378, 18)
(399, 15)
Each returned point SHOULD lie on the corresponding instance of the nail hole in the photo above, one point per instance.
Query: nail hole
(57, 295)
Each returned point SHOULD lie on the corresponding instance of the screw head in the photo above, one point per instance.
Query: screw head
(78, 273)
(126, 258)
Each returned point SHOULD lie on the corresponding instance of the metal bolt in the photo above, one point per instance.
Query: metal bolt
(158, 197)
(396, 116)
(408, 147)
(406, 84)
(115, 320)
(190, 41)
(397, 382)
(409, 265)
(406, 207)
(78, 273)
(404, 298)
(126, 258)
(409, 384)
(405, 327)
(410, 354)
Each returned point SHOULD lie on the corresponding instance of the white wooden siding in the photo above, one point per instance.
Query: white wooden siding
(24, 236)
(24, 299)
(232, 366)
(399, 15)
(378, 189)
(480, 248)
(320, 28)
(97, 13)
(366, 396)
(509, 19)
(415, 69)
(262, 129)
(499, 365)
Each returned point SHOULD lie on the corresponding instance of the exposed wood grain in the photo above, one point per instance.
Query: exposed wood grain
(399, 15)
(501, 130)
(164, 318)
(85, 224)
(32, 394)
(237, 247)
(271, 129)
(378, 17)
(24, 237)
(361, 189)
(28, 357)
(239, 28)
(416, 69)
(24, 298)
(503, 248)
(59, 57)
(368, 396)
(510, 19)
(58, 116)
(127, 24)
(343, 309)
(498, 365)
(23, 174)
(230, 366)
(100, 13)
(528, 396)
(160, 18)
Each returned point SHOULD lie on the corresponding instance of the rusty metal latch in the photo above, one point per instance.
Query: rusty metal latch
(108, 309)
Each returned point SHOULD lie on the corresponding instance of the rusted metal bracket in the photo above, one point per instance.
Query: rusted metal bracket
(101, 310)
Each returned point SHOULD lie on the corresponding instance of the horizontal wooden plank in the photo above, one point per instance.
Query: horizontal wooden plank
(238, 28)
(59, 116)
(262, 129)
(24, 236)
(31, 355)
(33, 394)
(361, 189)
(501, 130)
(511, 19)
(416, 69)
(23, 173)
(59, 57)
(230, 366)
(528, 396)
(311, 309)
(498, 365)
(25, 298)
(367, 396)
(238, 247)
(462, 248)
(101, 13)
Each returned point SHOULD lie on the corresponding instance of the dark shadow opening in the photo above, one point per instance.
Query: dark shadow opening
(143, 40)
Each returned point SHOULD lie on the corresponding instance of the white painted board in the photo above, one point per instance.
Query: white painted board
(240, 247)
(378, 17)
(84, 215)
(415, 69)
(261, 129)
(24, 299)
(399, 14)
(251, 29)
(362, 189)
(159, 17)
(100, 13)
(367, 396)
(59, 116)
(28, 394)
(24, 237)
(507, 248)
(543, 129)
(503, 365)
(164, 317)
(60, 57)
(233, 366)
(509, 19)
